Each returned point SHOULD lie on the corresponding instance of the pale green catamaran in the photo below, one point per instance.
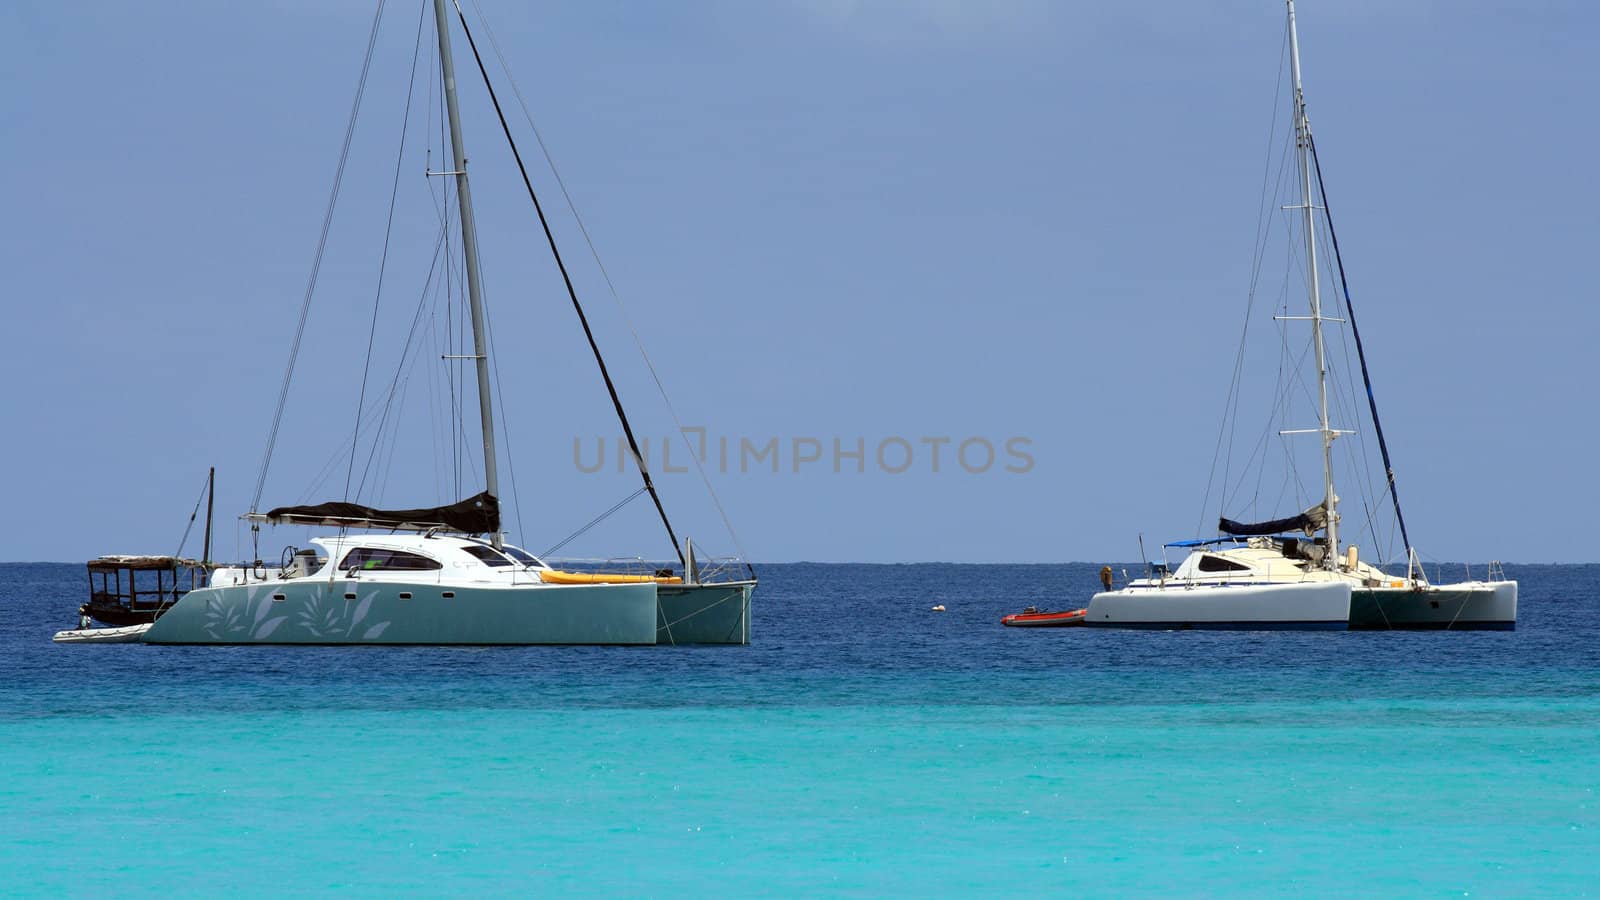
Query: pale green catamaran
(445, 575)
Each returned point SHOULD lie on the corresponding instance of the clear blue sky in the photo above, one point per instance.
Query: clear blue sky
(828, 218)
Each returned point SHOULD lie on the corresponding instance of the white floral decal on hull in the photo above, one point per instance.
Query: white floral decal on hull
(321, 618)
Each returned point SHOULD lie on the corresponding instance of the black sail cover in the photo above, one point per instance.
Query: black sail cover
(1310, 522)
(478, 514)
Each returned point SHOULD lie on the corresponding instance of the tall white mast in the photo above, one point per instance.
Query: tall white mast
(469, 243)
(1302, 127)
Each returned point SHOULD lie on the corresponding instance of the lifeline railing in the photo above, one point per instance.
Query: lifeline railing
(713, 569)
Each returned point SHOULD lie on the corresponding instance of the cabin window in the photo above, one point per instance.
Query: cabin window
(374, 559)
(523, 556)
(1218, 564)
(489, 555)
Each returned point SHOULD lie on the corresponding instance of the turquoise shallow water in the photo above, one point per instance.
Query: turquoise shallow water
(863, 745)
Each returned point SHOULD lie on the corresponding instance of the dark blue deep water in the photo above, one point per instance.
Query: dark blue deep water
(862, 744)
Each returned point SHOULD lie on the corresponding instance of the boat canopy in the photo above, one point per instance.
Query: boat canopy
(478, 514)
(1204, 542)
(141, 563)
(1311, 521)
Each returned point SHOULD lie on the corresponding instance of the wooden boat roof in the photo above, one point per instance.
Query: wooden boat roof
(109, 563)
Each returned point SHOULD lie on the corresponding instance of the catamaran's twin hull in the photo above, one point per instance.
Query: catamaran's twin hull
(717, 613)
(1237, 607)
(321, 611)
(1470, 606)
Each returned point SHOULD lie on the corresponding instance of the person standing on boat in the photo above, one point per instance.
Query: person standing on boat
(1105, 576)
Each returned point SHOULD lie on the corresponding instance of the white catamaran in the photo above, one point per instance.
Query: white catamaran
(446, 575)
(1264, 575)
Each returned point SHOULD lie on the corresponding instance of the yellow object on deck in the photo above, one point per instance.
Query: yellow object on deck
(556, 576)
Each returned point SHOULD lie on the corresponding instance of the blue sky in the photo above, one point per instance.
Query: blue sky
(826, 218)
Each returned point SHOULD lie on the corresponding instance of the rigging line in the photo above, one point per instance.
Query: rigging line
(1299, 367)
(1291, 479)
(432, 395)
(1262, 445)
(451, 366)
(372, 412)
(593, 522)
(1360, 464)
(616, 402)
(1361, 353)
(1360, 459)
(445, 310)
(499, 397)
(438, 196)
(405, 352)
(192, 516)
(458, 299)
(383, 259)
(386, 437)
(616, 298)
(505, 420)
(381, 483)
(1263, 232)
(326, 470)
(1276, 410)
(1230, 490)
(469, 471)
(316, 263)
(315, 485)
(1295, 377)
(1263, 220)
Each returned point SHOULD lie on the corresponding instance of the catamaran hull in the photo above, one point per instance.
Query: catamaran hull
(704, 613)
(1470, 606)
(320, 611)
(1234, 607)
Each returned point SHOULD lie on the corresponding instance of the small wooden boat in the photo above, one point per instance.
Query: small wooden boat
(130, 634)
(136, 590)
(1032, 617)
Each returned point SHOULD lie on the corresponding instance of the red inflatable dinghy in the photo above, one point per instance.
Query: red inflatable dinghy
(1033, 618)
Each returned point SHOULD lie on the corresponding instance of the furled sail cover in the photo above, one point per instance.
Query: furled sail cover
(1311, 521)
(478, 514)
